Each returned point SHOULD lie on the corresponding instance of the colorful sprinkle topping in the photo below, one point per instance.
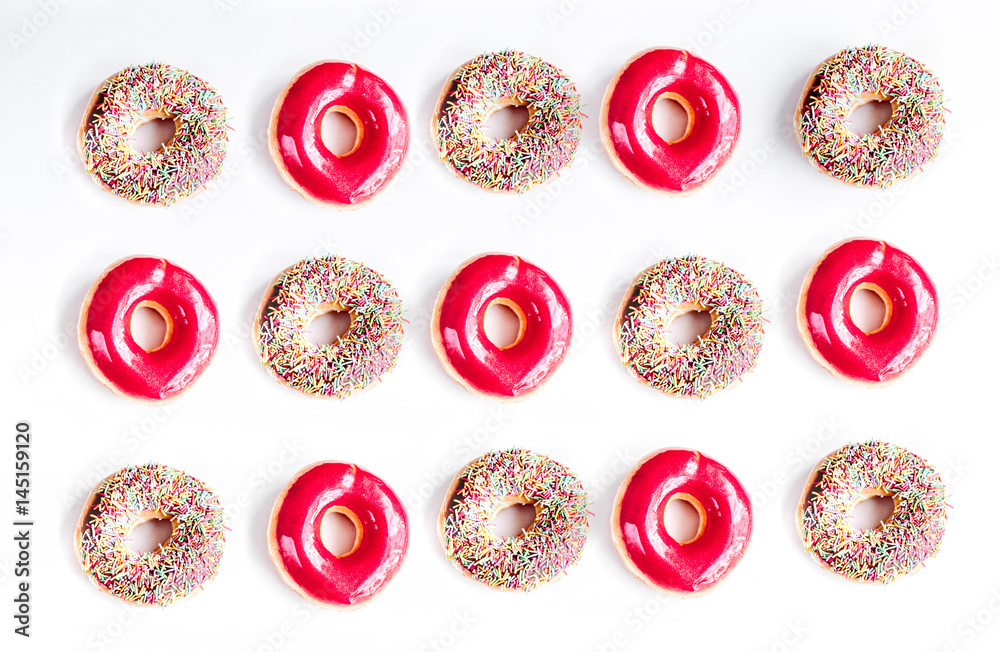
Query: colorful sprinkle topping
(545, 549)
(901, 147)
(491, 82)
(721, 356)
(359, 357)
(905, 540)
(180, 168)
(181, 565)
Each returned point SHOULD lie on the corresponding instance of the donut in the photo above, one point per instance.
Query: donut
(855, 76)
(359, 357)
(680, 166)
(903, 543)
(489, 83)
(640, 534)
(351, 179)
(132, 496)
(824, 311)
(105, 336)
(129, 99)
(543, 551)
(459, 336)
(350, 580)
(676, 286)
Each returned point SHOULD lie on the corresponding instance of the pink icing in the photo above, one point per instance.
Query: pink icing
(296, 133)
(826, 316)
(106, 337)
(295, 533)
(482, 366)
(684, 165)
(642, 536)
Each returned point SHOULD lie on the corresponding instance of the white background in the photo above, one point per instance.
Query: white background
(768, 214)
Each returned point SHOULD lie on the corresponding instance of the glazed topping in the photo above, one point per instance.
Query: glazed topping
(696, 565)
(721, 356)
(545, 549)
(355, 360)
(481, 365)
(910, 536)
(902, 146)
(181, 565)
(714, 117)
(193, 325)
(544, 146)
(378, 114)
(180, 168)
(316, 572)
(826, 310)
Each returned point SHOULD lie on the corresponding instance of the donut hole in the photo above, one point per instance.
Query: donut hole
(872, 512)
(328, 327)
(506, 121)
(150, 326)
(870, 308)
(340, 531)
(514, 519)
(684, 518)
(689, 327)
(341, 131)
(148, 535)
(672, 118)
(504, 323)
(869, 116)
(152, 133)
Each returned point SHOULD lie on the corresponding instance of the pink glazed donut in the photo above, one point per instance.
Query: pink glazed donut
(513, 372)
(824, 311)
(306, 565)
(684, 165)
(296, 142)
(641, 537)
(105, 336)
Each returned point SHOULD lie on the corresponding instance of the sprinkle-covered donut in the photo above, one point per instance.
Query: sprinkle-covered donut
(824, 311)
(544, 550)
(359, 357)
(458, 333)
(132, 496)
(381, 534)
(105, 335)
(640, 533)
(855, 76)
(676, 286)
(903, 543)
(489, 83)
(316, 173)
(136, 95)
(713, 113)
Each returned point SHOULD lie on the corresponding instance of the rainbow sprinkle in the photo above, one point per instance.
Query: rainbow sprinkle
(545, 549)
(721, 356)
(536, 152)
(182, 167)
(901, 147)
(180, 566)
(904, 541)
(358, 358)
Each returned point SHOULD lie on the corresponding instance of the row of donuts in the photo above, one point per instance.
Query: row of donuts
(368, 349)
(542, 552)
(537, 152)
